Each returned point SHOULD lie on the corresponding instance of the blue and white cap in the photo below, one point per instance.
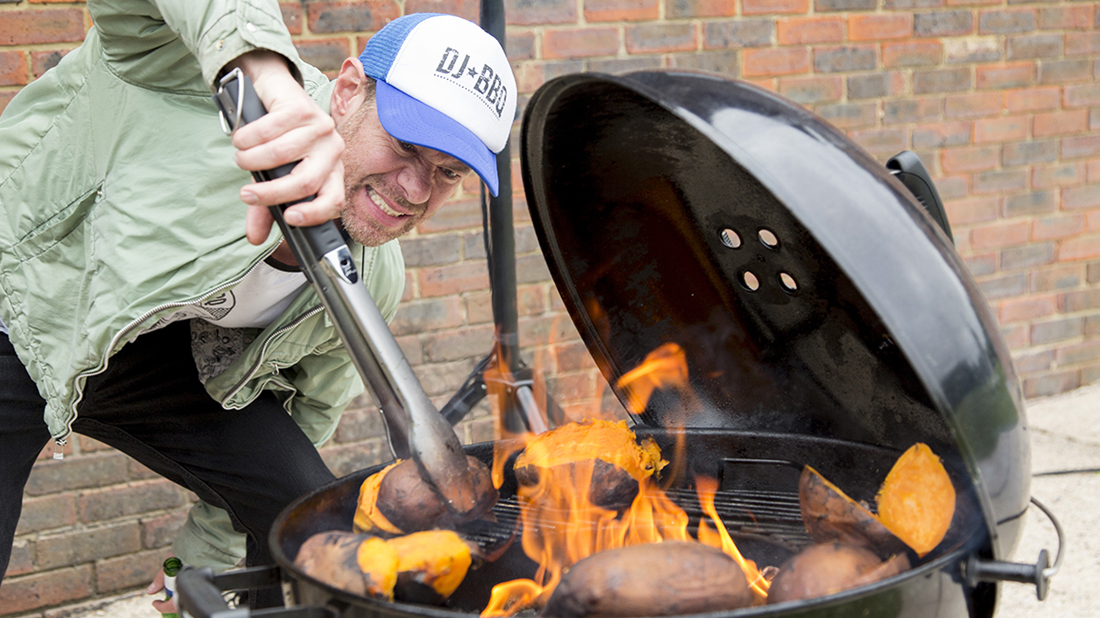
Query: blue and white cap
(444, 83)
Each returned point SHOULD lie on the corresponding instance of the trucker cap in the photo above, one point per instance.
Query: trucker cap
(444, 83)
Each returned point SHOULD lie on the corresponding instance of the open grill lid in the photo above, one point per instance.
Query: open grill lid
(809, 291)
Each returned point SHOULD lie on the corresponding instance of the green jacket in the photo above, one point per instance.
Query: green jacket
(119, 202)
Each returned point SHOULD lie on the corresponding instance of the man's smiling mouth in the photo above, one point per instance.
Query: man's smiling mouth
(381, 203)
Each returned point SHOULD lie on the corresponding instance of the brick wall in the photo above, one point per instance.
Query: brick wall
(1000, 100)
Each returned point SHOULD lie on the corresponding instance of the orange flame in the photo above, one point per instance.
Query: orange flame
(561, 525)
(719, 537)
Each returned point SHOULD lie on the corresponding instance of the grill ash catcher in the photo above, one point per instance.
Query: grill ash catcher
(824, 314)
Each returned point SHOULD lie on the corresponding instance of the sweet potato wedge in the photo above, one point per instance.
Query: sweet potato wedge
(917, 499)
(659, 579)
(830, 515)
(397, 500)
(355, 563)
(829, 568)
(433, 561)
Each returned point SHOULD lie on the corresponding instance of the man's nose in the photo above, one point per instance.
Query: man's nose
(415, 180)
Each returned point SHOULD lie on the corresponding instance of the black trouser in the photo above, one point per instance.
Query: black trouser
(150, 405)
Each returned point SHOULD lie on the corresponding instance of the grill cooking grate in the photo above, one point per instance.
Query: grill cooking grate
(770, 515)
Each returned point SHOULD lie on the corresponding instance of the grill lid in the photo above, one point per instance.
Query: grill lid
(808, 290)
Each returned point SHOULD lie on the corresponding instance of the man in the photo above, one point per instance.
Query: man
(139, 311)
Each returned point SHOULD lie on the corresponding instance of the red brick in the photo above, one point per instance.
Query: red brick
(768, 7)
(1050, 384)
(621, 10)
(912, 53)
(1058, 278)
(292, 16)
(115, 502)
(1009, 75)
(885, 141)
(1087, 196)
(30, 27)
(1079, 354)
(1065, 175)
(526, 13)
(455, 215)
(1000, 235)
(115, 574)
(780, 61)
(46, 513)
(1066, 18)
(1093, 171)
(1060, 123)
(808, 30)
(447, 280)
(973, 105)
(972, 49)
(972, 159)
(972, 2)
(1082, 95)
(332, 17)
(1028, 308)
(973, 210)
(658, 38)
(999, 181)
(1033, 99)
(325, 54)
(879, 26)
(52, 476)
(22, 594)
(701, 8)
(942, 134)
(1082, 43)
(812, 90)
(1057, 228)
(161, 531)
(850, 115)
(1003, 129)
(13, 68)
(1015, 336)
(580, 42)
(5, 98)
(468, 9)
(1079, 248)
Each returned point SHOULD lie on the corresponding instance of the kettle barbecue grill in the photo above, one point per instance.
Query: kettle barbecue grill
(824, 314)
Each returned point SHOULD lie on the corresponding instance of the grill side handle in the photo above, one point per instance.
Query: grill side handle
(1040, 573)
(199, 594)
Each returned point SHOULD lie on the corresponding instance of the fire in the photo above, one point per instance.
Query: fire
(719, 537)
(562, 525)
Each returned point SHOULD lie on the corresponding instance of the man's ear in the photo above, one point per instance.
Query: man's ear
(348, 93)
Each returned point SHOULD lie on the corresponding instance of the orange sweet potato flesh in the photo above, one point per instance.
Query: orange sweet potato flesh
(830, 515)
(829, 568)
(658, 579)
(917, 499)
(437, 559)
(618, 462)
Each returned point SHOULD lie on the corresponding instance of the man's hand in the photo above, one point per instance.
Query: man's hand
(294, 129)
(162, 606)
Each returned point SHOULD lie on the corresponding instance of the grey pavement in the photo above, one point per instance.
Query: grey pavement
(1065, 440)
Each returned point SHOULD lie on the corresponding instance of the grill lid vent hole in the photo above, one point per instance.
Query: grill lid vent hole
(730, 238)
(751, 282)
(769, 238)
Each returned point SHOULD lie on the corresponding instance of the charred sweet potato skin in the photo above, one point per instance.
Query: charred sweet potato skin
(830, 515)
(829, 568)
(660, 579)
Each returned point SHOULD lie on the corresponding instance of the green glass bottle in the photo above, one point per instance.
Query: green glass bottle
(172, 566)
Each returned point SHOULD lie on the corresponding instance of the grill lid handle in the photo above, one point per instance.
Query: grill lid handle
(1040, 573)
(199, 594)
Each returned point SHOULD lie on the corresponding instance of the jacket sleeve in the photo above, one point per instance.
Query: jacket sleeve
(177, 44)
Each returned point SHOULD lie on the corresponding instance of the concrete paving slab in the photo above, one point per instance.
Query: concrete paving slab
(1065, 442)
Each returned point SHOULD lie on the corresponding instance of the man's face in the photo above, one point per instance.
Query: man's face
(391, 186)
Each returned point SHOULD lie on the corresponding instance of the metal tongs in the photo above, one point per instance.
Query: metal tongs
(414, 426)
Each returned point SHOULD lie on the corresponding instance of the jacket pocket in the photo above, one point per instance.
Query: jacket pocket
(58, 228)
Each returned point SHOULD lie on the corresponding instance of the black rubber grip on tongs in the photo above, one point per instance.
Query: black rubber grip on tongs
(246, 106)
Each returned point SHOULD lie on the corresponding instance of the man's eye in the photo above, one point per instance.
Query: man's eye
(450, 174)
(407, 146)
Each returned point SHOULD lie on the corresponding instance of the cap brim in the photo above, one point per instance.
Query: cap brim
(409, 120)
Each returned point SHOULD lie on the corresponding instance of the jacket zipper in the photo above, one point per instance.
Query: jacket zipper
(263, 351)
(60, 442)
